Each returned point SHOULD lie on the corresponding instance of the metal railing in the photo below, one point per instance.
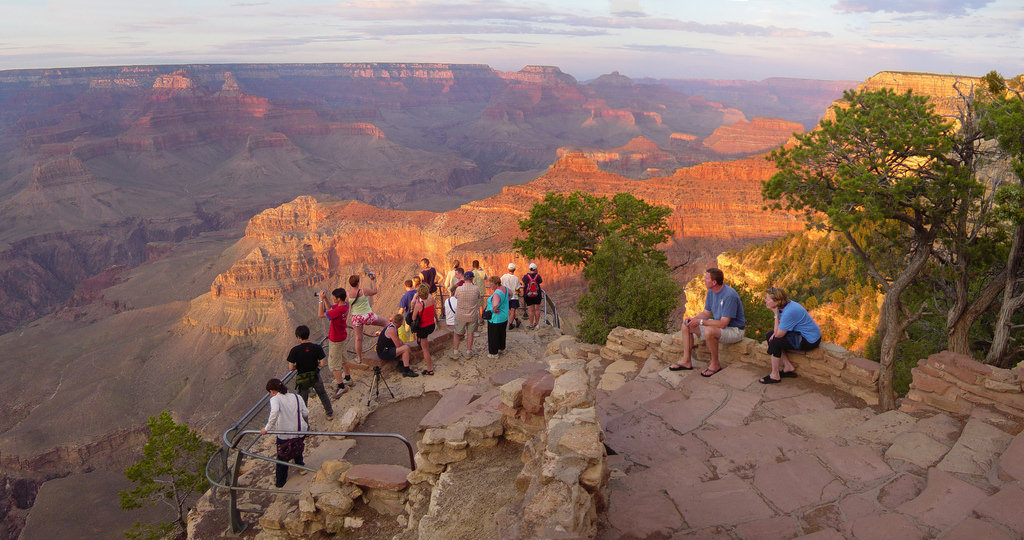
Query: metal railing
(223, 472)
(550, 312)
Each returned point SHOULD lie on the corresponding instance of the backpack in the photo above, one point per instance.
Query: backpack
(413, 323)
(533, 288)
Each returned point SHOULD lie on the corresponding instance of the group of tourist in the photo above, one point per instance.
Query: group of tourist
(415, 320)
(722, 321)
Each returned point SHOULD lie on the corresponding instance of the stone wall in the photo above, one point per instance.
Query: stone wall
(565, 476)
(828, 364)
(958, 384)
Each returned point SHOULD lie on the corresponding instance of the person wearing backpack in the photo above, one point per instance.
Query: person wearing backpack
(532, 295)
(306, 359)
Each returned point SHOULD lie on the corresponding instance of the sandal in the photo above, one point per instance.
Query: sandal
(427, 372)
(788, 374)
(678, 367)
(767, 379)
(709, 372)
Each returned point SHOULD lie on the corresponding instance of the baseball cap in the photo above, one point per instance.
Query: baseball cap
(511, 266)
(468, 275)
(533, 266)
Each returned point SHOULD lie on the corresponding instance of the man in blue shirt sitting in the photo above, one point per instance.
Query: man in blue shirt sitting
(721, 321)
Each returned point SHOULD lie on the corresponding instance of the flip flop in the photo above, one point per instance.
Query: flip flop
(677, 367)
(709, 372)
(788, 374)
(427, 372)
(767, 379)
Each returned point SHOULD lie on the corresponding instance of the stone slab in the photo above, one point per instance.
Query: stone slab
(451, 402)
(858, 505)
(536, 388)
(687, 415)
(773, 528)
(883, 428)
(976, 450)
(738, 376)
(797, 483)
(885, 527)
(736, 411)
(945, 500)
(643, 439)
(800, 404)
(763, 441)
(973, 528)
(724, 502)
(904, 488)
(676, 471)
(523, 370)
(389, 477)
(917, 448)
(856, 464)
(1011, 463)
(823, 534)
(643, 514)
(941, 427)
(1006, 507)
(631, 395)
(828, 424)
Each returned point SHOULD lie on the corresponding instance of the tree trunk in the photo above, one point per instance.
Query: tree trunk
(1001, 333)
(958, 326)
(887, 324)
(890, 327)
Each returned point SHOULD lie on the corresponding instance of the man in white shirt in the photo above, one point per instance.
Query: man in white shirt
(512, 282)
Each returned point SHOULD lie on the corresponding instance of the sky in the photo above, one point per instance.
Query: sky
(707, 39)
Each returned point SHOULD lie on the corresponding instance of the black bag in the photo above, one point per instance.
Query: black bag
(289, 449)
(413, 322)
(305, 380)
(487, 315)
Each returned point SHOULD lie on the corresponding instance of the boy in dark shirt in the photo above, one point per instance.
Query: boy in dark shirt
(306, 359)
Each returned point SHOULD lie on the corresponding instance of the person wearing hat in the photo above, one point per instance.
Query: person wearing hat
(511, 282)
(532, 295)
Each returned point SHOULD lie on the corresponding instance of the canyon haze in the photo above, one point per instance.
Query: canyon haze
(162, 227)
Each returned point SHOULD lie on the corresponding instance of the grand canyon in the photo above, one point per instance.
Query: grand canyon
(162, 228)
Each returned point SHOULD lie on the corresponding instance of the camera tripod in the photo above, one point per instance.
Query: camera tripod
(374, 387)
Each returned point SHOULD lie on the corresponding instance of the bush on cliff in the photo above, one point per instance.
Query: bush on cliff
(171, 472)
(626, 289)
(615, 240)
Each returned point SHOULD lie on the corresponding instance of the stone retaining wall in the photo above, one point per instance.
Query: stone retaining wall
(958, 384)
(828, 364)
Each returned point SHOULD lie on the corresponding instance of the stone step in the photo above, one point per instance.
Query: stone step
(389, 477)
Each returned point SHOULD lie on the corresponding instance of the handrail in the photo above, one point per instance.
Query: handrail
(232, 438)
(548, 302)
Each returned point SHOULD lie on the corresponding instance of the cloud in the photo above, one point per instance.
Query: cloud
(935, 7)
(543, 21)
(665, 49)
(157, 24)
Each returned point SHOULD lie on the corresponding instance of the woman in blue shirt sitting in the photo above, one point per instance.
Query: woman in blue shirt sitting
(794, 330)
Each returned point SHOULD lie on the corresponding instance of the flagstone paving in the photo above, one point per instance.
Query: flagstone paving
(728, 457)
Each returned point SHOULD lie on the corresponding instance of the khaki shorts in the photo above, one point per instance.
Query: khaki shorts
(462, 327)
(336, 355)
(730, 334)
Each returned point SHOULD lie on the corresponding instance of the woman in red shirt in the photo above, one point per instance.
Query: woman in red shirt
(423, 309)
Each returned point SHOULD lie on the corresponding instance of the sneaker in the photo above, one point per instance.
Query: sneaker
(340, 391)
(468, 354)
(409, 373)
(489, 355)
(330, 417)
